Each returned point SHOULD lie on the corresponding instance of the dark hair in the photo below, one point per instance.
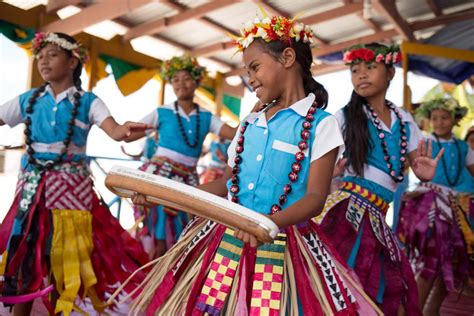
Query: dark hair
(304, 58)
(76, 75)
(469, 133)
(356, 130)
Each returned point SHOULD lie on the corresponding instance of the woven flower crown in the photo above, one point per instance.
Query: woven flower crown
(188, 63)
(42, 39)
(276, 28)
(361, 53)
(447, 103)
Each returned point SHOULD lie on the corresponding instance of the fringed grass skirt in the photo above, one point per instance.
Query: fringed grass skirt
(210, 271)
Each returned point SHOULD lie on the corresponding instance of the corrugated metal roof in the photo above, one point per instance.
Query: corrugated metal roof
(341, 21)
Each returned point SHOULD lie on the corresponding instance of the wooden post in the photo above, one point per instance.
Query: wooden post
(161, 96)
(93, 67)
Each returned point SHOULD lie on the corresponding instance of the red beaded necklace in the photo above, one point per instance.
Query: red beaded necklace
(295, 167)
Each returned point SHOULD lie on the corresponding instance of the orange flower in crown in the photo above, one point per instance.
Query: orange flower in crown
(276, 28)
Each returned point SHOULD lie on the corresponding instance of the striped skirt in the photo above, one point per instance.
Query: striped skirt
(58, 229)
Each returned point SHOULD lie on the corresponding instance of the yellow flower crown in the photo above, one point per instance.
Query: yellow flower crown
(186, 62)
(276, 28)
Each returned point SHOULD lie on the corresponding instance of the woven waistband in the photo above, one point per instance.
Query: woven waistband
(365, 194)
(175, 166)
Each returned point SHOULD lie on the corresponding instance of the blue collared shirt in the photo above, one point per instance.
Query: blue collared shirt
(269, 151)
(50, 121)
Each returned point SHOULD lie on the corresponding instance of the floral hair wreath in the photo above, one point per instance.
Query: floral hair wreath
(42, 39)
(361, 53)
(447, 103)
(170, 67)
(276, 28)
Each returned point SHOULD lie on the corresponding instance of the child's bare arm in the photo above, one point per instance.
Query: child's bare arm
(129, 131)
(317, 189)
(218, 187)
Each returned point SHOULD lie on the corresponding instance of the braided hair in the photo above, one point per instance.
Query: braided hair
(304, 58)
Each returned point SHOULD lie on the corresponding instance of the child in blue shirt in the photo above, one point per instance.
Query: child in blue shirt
(58, 233)
(280, 164)
(182, 127)
(379, 139)
(436, 219)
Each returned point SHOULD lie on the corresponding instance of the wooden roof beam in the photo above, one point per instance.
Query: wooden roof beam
(55, 5)
(370, 23)
(270, 9)
(101, 11)
(389, 10)
(217, 26)
(332, 14)
(443, 19)
(334, 47)
(160, 24)
(434, 7)
(210, 49)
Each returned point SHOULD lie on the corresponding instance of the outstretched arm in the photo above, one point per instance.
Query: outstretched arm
(129, 131)
(421, 161)
(227, 132)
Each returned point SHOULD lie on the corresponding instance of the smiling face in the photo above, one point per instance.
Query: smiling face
(55, 64)
(265, 73)
(371, 79)
(442, 123)
(183, 85)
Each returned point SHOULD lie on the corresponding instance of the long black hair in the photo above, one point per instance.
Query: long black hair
(304, 57)
(76, 75)
(356, 131)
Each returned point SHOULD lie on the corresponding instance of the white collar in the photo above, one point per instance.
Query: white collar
(68, 93)
(300, 107)
(442, 140)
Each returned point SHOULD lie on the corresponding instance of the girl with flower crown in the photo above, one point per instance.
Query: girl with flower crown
(436, 219)
(182, 127)
(280, 164)
(380, 137)
(59, 237)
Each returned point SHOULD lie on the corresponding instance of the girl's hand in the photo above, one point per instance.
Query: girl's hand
(247, 238)
(125, 130)
(424, 166)
(140, 200)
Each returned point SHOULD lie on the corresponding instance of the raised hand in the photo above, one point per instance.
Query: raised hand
(423, 165)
